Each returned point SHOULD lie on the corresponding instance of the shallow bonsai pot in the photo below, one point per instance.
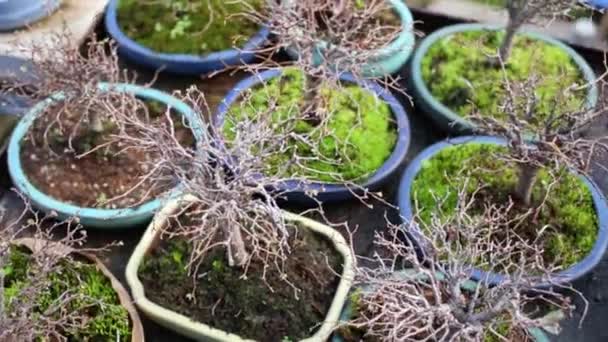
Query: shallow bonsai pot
(200, 331)
(137, 330)
(538, 335)
(184, 64)
(91, 217)
(331, 192)
(570, 274)
(385, 61)
(19, 13)
(449, 120)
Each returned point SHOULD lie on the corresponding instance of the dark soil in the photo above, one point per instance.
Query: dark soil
(248, 307)
(92, 180)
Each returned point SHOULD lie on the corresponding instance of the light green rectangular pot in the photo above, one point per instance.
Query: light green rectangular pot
(183, 325)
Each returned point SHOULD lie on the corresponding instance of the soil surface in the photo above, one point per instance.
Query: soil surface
(95, 178)
(268, 309)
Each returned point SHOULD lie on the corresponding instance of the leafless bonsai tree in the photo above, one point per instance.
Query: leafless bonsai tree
(554, 141)
(523, 11)
(330, 38)
(20, 316)
(434, 300)
(72, 79)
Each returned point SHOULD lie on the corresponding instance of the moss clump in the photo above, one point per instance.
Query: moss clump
(363, 133)
(458, 73)
(187, 27)
(569, 209)
(104, 319)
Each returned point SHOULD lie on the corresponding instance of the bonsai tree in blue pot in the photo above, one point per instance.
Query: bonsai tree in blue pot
(63, 153)
(19, 13)
(426, 294)
(375, 37)
(460, 68)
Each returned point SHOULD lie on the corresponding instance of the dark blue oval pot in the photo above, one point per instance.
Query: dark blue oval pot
(451, 121)
(15, 14)
(568, 275)
(93, 217)
(183, 64)
(537, 334)
(328, 192)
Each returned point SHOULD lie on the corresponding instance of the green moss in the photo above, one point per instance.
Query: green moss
(188, 27)
(458, 73)
(94, 296)
(363, 133)
(569, 209)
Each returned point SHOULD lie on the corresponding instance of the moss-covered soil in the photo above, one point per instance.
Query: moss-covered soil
(362, 132)
(458, 72)
(569, 209)
(222, 298)
(187, 27)
(104, 319)
(92, 180)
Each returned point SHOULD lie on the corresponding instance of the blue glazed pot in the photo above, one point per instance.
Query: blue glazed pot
(183, 64)
(568, 275)
(537, 334)
(19, 13)
(388, 60)
(295, 191)
(449, 120)
(92, 217)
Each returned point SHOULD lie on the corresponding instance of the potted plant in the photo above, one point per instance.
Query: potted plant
(375, 36)
(460, 68)
(57, 290)
(539, 167)
(433, 298)
(186, 37)
(19, 13)
(342, 137)
(62, 153)
(224, 262)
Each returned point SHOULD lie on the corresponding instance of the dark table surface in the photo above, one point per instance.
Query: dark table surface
(593, 286)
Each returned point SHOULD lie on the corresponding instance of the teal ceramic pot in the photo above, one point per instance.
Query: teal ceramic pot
(449, 120)
(15, 14)
(92, 217)
(388, 60)
(538, 335)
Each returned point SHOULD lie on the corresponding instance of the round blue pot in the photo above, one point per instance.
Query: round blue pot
(183, 64)
(537, 334)
(568, 275)
(15, 14)
(92, 217)
(24, 72)
(449, 120)
(388, 60)
(331, 192)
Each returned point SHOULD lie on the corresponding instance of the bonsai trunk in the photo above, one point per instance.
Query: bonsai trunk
(527, 178)
(504, 52)
(96, 123)
(237, 252)
(312, 105)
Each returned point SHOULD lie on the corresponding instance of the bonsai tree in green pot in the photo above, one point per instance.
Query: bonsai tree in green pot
(403, 296)
(52, 288)
(459, 68)
(227, 250)
(61, 154)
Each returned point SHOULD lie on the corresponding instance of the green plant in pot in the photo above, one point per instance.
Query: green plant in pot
(51, 288)
(63, 153)
(537, 167)
(460, 68)
(403, 296)
(224, 262)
